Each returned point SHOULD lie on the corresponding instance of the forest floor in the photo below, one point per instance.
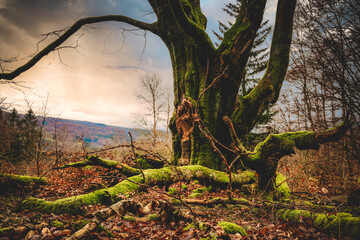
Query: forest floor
(258, 223)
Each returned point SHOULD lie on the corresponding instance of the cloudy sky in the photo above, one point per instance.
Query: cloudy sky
(99, 79)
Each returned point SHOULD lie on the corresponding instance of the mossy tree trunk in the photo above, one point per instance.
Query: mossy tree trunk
(196, 63)
(207, 82)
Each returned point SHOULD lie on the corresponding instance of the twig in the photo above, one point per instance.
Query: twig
(135, 155)
(207, 133)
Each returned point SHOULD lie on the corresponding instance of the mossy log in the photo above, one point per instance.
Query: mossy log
(9, 182)
(335, 223)
(232, 228)
(160, 177)
(339, 223)
(95, 160)
(22, 179)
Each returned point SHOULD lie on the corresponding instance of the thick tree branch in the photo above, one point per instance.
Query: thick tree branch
(97, 161)
(276, 146)
(268, 89)
(333, 134)
(239, 39)
(235, 49)
(74, 28)
(191, 28)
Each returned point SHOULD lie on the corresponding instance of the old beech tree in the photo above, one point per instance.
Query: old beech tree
(209, 113)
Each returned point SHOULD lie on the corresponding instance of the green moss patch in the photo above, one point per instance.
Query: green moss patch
(129, 218)
(202, 190)
(173, 191)
(282, 190)
(57, 224)
(232, 228)
(154, 217)
(195, 195)
(187, 228)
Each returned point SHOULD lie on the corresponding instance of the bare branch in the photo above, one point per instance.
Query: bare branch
(68, 33)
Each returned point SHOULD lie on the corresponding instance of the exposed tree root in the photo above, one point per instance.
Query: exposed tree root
(167, 212)
(95, 160)
(119, 208)
(160, 177)
(338, 223)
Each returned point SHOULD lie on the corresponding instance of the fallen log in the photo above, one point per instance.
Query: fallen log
(339, 223)
(22, 179)
(10, 182)
(160, 177)
(335, 223)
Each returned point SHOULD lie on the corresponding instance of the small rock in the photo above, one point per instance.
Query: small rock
(45, 231)
(30, 234)
(236, 236)
(35, 237)
(41, 225)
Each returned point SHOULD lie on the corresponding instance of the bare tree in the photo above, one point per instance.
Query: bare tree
(324, 80)
(152, 95)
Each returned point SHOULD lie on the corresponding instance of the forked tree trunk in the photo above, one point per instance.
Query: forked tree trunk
(195, 67)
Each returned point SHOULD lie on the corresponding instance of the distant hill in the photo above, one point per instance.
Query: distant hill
(94, 134)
